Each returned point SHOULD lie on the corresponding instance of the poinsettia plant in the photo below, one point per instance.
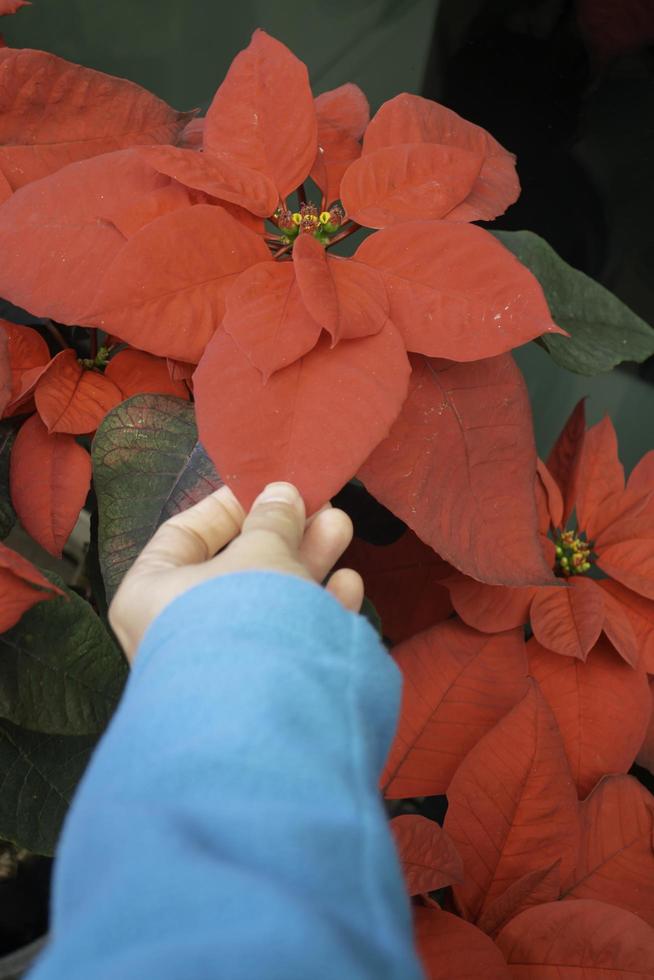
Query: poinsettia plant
(290, 289)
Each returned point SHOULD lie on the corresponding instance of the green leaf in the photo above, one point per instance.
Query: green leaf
(93, 570)
(369, 610)
(60, 671)
(38, 776)
(603, 331)
(8, 430)
(147, 466)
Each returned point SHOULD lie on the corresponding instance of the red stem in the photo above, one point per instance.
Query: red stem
(344, 234)
(282, 251)
(55, 332)
(301, 194)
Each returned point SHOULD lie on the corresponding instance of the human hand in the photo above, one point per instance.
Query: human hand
(188, 549)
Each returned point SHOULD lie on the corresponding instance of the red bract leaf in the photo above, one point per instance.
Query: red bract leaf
(180, 370)
(134, 373)
(578, 941)
(534, 888)
(565, 459)
(454, 291)
(27, 356)
(645, 757)
(263, 114)
(600, 476)
(641, 615)
(362, 300)
(512, 805)
(631, 559)
(601, 707)
(246, 218)
(411, 119)
(58, 239)
(428, 856)
(26, 349)
(619, 629)
(548, 499)
(5, 187)
(408, 182)
(568, 619)
(21, 587)
(171, 196)
(457, 685)
(298, 426)
(316, 285)
(342, 114)
(346, 298)
(72, 399)
(215, 175)
(193, 134)
(457, 461)
(490, 608)
(336, 151)
(623, 515)
(50, 477)
(451, 949)
(641, 479)
(616, 861)
(402, 582)
(345, 108)
(266, 318)
(12, 6)
(53, 113)
(169, 301)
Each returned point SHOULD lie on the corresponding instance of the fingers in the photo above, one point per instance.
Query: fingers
(346, 585)
(325, 540)
(196, 534)
(277, 513)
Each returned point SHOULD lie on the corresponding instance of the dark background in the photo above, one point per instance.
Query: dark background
(567, 85)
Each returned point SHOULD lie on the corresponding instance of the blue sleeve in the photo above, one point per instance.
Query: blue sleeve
(229, 824)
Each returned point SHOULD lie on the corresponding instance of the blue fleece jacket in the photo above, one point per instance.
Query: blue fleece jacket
(229, 824)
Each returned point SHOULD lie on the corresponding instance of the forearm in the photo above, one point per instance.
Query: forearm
(231, 812)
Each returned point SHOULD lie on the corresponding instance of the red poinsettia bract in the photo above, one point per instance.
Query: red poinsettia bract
(21, 587)
(614, 534)
(537, 876)
(200, 256)
(50, 473)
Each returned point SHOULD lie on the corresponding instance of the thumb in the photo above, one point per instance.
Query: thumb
(279, 512)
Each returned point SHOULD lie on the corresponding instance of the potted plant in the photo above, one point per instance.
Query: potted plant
(196, 313)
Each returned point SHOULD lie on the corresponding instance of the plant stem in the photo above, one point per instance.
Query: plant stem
(345, 233)
(55, 332)
(301, 194)
(282, 251)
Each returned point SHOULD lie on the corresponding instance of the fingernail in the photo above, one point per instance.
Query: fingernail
(281, 493)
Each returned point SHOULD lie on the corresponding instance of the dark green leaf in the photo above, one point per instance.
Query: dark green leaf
(60, 671)
(147, 466)
(8, 430)
(603, 331)
(370, 612)
(38, 775)
(93, 570)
